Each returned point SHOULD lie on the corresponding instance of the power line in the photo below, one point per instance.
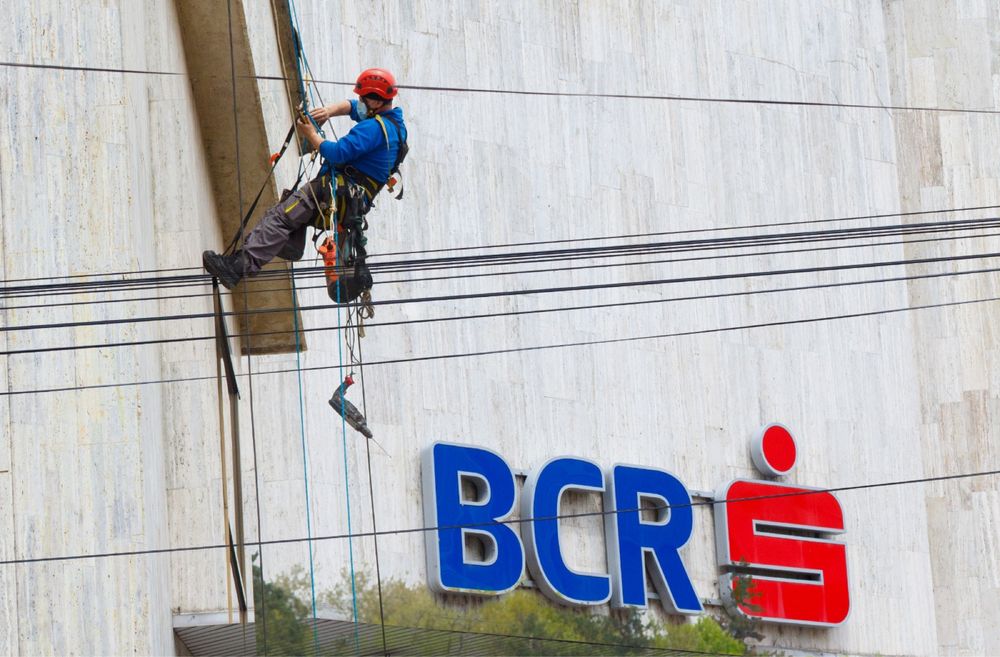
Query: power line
(90, 69)
(511, 350)
(722, 100)
(690, 231)
(801, 492)
(510, 293)
(717, 243)
(588, 343)
(504, 273)
(591, 239)
(725, 256)
(662, 97)
(551, 255)
(512, 313)
(661, 248)
(478, 642)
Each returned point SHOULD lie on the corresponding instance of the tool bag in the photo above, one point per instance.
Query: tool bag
(344, 256)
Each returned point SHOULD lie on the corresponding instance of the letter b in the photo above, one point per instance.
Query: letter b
(467, 492)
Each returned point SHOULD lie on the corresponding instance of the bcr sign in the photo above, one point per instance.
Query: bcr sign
(779, 535)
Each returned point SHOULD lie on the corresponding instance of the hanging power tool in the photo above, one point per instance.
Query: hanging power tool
(347, 410)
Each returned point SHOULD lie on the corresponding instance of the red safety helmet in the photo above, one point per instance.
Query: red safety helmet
(376, 81)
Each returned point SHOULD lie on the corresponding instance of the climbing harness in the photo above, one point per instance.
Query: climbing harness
(395, 177)
(344, 253)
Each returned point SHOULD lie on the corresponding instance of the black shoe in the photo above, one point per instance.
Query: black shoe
(228, 269)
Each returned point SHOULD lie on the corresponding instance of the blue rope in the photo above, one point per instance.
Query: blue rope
(298, 366)
(305, 463)
(343, 427)
(299, 59)
(302, 433)
(298, 48)
(305, 93)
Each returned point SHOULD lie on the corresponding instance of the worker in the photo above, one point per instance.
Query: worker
(358, 165)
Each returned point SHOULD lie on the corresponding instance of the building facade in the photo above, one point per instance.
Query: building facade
(121, 161)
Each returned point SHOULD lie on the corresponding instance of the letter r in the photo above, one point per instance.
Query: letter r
(635, 544)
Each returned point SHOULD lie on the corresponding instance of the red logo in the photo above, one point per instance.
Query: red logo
(775, 543)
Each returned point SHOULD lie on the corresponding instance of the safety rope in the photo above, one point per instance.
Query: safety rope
(371, 491)
(303, 87)
(301, 53)
(333, 220)
(222, 439)
(303, 109)
(352, 338)
(237, 494)
(343, 429)
(305, 451)
(238, 237)
(306, 87)
(297, 48)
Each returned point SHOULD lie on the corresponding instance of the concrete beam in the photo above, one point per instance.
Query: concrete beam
(221, 69)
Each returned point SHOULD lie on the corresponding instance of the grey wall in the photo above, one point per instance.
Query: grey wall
(945, 54)
(88, 169)
(880, 398)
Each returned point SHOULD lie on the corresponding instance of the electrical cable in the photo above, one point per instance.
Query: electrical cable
(649, 250)
(715, 243)
(641, 263)
(260, 289)
(511, 350)
(469, 647)
(371, 497)
(542, 93)
(801, 491)
(697, 230)
(535, 257)
(198, 270)
(664, 97)
(513, 313)
(521, 292)
(90, 69)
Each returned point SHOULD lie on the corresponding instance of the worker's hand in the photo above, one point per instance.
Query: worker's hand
(308, 132)
(320, 114)
(305, 128)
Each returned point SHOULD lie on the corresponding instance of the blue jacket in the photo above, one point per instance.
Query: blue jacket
(364, 147)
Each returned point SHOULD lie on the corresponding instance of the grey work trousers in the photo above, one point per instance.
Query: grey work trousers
(282, 229)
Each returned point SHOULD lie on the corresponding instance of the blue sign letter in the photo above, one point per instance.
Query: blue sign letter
(634, 543)
(467, 490)
(541, 500)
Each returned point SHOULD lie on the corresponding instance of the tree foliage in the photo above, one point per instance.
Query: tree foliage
(281, 607)
(280, 617)
(507, 619)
